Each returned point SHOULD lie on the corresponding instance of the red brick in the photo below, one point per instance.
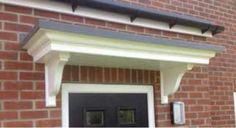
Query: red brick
(40, 86)
(8, 95)
(16, 105)
(46, 14)
(146, 77)
(157, 4)
(191, 115)
(91, 74)
(71, 18)
(153, 32)
(161, 117)
(134, 76)
(135, 29)
(7, 55)
(32, 95)
(164, 123)
(181, 95)
(28, 19)
(152, 76)
(67, 73)
(25, 56)
(203, 114)
(17, 9)
(99, 75)
(107, 76)
(18, 65)
(116, 26)
(18, 124)
(12, 46)
(95, 22)
(75, 73)
(40, 105)
(187, 88)
(203, 88)
(185, 36)
(201, 76)
(114, 75)
(196, 108)
(33, 114)
(8, 17)
(39, 67)
(140, 76)
(8, 115)
(169, 34)
(128, 75)
(48, 123)
(145, 1)
(18, 85)
(163, 109)
(121, 75)
(31, 76)
(17, 27)
(8, 36)
(196, 95)
(7, 75)
(197, 122)
(198, 38)
(84, 74)
(203, 102)
(55, 114)
(194, 82)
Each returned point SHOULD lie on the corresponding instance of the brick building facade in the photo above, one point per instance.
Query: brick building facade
(206, 90)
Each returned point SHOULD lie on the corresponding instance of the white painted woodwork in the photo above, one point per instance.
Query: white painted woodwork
(56, 48)
(53, 75)
(170, 80)
(106, 16)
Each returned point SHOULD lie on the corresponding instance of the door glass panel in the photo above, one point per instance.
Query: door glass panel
(126, 116)
(94, 118)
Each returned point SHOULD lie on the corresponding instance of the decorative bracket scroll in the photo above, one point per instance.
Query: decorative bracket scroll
(53, 76)
(170, 80)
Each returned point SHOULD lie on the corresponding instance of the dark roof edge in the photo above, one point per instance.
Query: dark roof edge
(135, 10)
(58, 26)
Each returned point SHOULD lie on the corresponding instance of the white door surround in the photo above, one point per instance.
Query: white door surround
(105, 88)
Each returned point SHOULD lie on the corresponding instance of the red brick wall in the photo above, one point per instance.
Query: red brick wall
(206, 90)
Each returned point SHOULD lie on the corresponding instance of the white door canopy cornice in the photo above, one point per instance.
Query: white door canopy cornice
(56, 44)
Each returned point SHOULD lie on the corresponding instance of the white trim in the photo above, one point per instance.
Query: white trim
(53, 76)
(84, 44)
(107, 16)
(80, 49)
(99, 88)
(170, 80)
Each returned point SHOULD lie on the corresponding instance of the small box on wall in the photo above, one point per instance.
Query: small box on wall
(178, 111)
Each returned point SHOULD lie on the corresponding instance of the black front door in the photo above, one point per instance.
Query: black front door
(107, 110)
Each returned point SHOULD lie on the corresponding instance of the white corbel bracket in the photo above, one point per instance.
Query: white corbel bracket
(170, 80)
(53, 76)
